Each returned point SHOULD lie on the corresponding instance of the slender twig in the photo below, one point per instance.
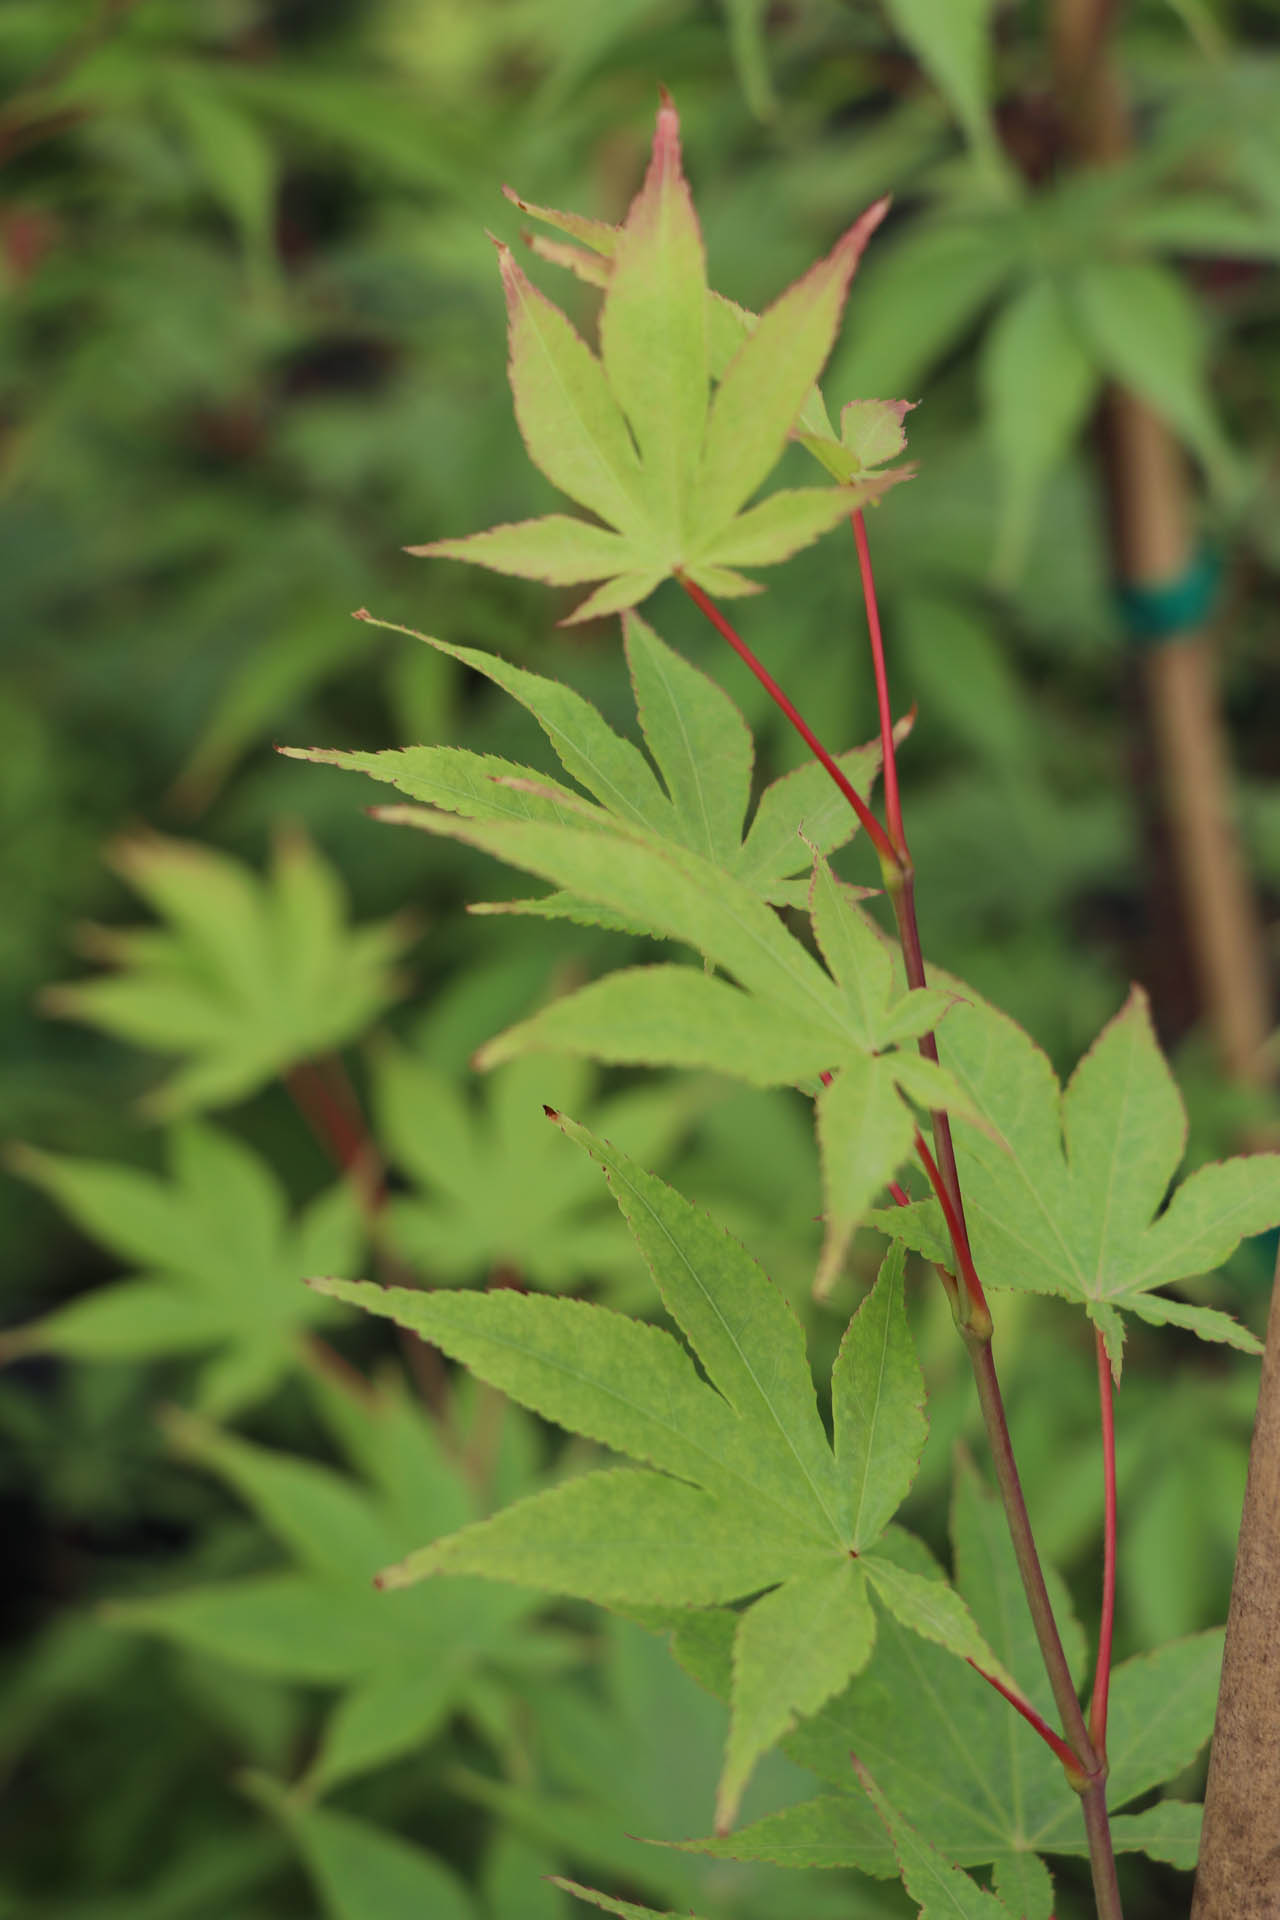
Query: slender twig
(1102, 1674)
(1020, 1704)
(1007, 1479)
(1102, 1859)
(892, 801)
(875, 832)
(1087, 1770)
(978, 1318)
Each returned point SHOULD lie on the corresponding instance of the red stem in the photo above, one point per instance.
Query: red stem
(326, 1099)
(330, 1111)
(979, 1322)
(1020, 1704)
(875, 832)
(1102, 1675)
(892, 802)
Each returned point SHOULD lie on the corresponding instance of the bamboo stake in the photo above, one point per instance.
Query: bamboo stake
(1153, 544)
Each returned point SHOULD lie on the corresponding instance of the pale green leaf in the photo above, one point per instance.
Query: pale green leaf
(653, 330)
(877, 1406)
(558, 549)
(477, 784)
(625, 1908)
(698, 739)
(865, 1133)
(931, 1609)
(921, 1227)
(1161, 1713)
(1210, 1213)
(586, 266)
(623, 1535)
(834, 1830)
(626, 1385)
(793, 1650)
(1076, 1220)
(589, 750)
(768, 380)
(672, 892)
(943, 1891)
(917, 1012)
(1021, 1882)
(873, 431)
(803, 811)
(597, 235)
(632, 585)
(675, 1016)
(738, 1324)
(788, 521)
(1207, 1323)
(569, 419)
(1169, 1831)
(856, 955)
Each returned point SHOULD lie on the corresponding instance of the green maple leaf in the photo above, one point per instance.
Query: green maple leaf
(740, 1493)
(951, 1757)
(633, 1757)
(1071, 1203)
(696, 799)
(606, 1903)
(637, 436)
(359, 1869)
(248, 976)
(490, 1191)
(403, 1662)
(785, 1022)
(943, 1890)
(217, 1262)
(871, 431)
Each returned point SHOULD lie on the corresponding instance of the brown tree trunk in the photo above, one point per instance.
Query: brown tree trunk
(1239, 1872)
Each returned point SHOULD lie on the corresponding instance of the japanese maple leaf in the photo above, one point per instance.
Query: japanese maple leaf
(1068, 1195)
(638, 437)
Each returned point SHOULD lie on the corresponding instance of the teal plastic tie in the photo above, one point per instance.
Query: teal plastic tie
(1155, 615)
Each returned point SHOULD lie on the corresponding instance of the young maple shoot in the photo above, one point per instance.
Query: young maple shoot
(769, 1551)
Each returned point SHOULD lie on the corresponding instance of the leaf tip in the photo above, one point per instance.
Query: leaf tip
(363, 613)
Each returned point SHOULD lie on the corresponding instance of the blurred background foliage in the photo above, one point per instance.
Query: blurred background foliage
(251, 346)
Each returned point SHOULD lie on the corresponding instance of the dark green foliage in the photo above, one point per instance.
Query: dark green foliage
(250, 347)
